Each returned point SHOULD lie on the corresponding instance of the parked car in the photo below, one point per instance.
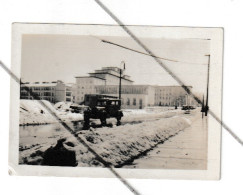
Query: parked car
(188, 108)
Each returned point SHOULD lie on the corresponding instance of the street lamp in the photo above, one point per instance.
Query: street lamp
(122, 63)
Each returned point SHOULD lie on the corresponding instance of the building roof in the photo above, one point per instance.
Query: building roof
(89, 77)
(42, 84)
(110, 74)
(39, 84)
(69, 84)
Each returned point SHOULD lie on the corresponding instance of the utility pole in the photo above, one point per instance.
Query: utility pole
(121, 78)
(120, 84)
(206, 107)
(202, 110)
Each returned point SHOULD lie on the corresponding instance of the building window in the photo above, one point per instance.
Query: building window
(47, 94)
(128, 101)
(134, 101)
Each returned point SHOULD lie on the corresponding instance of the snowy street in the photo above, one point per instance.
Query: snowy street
(187, 150)
(152, 138)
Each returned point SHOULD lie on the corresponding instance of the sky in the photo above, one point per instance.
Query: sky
(62, 57)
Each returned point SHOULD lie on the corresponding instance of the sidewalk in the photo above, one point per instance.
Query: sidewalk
(187, 150)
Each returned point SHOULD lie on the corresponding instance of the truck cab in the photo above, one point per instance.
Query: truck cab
(102, 107)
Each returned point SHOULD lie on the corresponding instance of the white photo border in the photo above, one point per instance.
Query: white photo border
(215, 99)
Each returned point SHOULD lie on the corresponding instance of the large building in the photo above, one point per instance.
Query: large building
(55, 91)
(105, 76)
(106, 82)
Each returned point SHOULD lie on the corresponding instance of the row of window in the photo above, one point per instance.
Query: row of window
(132, 102)
(37, 94)
(165, 104)
(164, 98)
(114, 90)
(85, 87)
(167, 94)
(41, 98)
(68, 99)
(80, 98)
(68, 93)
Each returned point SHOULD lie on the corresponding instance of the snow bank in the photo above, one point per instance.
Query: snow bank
(32, 112)
(156, 109)
(118, 145)
(144, 115)
(122, 144)
(62, 106)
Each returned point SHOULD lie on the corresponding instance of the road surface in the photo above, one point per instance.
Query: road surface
(186, 150)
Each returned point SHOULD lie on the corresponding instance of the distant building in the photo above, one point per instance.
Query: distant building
(106, 81)
(171, 96)
(55, 91)
(69, 92)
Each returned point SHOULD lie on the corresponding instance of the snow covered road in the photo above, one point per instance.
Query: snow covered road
(187, 150)
(141, 131)
(117, 145)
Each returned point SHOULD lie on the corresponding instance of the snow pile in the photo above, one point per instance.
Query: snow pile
(69, 116)
(128, 112)
(35, 112)
(147, 110)
(122, 144)
(118, 145)
(144, 115)
(63, 106)
(156, 109)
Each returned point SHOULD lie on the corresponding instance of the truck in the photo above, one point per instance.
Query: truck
(102, 107)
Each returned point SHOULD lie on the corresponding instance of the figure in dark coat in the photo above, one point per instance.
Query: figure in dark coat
(59, 156)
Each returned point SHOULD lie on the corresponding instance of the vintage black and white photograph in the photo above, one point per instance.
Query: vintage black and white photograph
(91, 97)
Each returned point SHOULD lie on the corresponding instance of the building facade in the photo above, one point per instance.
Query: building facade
(55, 91)
(106, 82)
(86, 85)
(69, 92)
(132, 96)
(103, 77)
(171, 96)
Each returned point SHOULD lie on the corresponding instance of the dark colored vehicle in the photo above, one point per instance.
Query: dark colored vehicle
(187, 108)
(75, 108)
(102, 107)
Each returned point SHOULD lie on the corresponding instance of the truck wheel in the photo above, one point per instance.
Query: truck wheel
(86, 119)
(103, 121)
(118, 121)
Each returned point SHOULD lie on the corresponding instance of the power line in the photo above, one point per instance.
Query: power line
(143, 53)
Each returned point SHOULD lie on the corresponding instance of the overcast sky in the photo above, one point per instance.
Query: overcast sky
(62, 57)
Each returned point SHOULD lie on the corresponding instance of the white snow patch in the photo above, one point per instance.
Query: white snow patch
(33, 112)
